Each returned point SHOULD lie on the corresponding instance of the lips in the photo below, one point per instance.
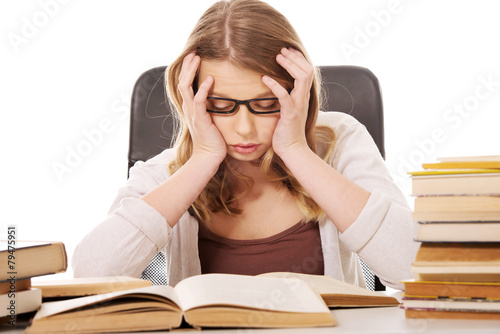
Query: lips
(245, 148)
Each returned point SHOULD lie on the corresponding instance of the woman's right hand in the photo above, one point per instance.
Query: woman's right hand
(207, 139)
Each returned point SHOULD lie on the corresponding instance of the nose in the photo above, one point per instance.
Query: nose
(243, 121)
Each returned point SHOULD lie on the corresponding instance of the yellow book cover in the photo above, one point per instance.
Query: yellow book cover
(457, 171)
(488, 161)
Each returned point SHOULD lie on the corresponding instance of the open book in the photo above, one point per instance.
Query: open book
(336, 293)
(212, 300)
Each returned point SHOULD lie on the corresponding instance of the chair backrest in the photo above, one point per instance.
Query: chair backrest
(350, 89)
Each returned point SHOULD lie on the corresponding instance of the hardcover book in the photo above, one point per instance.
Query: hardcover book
(30, 259)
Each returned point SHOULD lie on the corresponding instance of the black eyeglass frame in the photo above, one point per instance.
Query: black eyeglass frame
(246, 103)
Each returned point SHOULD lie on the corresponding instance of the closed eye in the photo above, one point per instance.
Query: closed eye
(266, 105)
(219, 105)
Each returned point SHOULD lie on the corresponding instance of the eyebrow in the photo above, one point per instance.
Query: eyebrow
(259, 96)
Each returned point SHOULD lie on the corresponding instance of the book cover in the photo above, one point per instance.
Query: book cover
(485, 164)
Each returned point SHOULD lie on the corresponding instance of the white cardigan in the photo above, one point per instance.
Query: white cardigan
(382, 235)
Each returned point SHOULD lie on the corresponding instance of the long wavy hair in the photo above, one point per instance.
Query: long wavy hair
(249, 34)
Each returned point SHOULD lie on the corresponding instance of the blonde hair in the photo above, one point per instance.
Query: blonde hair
(248, 34)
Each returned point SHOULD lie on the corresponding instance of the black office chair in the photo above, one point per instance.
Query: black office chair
(350, 89)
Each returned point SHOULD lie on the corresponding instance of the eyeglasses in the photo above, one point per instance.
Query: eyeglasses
(219, 105)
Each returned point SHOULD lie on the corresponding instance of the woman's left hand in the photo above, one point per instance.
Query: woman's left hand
(289, 134)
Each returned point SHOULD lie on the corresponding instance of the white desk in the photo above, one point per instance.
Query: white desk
(370, 320)
(382, 321)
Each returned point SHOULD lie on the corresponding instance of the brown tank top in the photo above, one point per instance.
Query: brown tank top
(296, 249)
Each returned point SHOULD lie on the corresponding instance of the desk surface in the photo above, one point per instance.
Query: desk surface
(384, 320)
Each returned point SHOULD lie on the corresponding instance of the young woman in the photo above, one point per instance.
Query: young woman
(259, 179)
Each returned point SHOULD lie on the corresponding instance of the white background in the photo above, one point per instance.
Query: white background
(68, 68)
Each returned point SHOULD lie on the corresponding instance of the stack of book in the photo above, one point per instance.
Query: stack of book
(457, 267)
(19, 263)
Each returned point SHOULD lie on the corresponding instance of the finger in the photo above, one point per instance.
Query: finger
(201, 96)
(299, 69)
(189, 68)
(297, 58)
(279, 91)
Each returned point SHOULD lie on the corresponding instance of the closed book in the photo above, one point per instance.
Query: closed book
(435, 314)
(458, 204)
(457, 273)
(488, 161)
(469, 231)
(26, 259)
(20, 302)
(452, 289)
(15, 285)
(452, 308)
(455, 182)
(452, 304)
(457, 208)
(461, 262)
(458, 254)
(87, 286)
(462, 164)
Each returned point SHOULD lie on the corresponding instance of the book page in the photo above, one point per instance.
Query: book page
(327, 285)
(160, 291)
(288, 295)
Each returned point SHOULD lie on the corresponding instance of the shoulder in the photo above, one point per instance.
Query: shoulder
(352, 140)
(340, 122)
(345, 127)
(155, 168)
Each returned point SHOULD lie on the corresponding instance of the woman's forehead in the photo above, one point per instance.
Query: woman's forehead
(231, 80)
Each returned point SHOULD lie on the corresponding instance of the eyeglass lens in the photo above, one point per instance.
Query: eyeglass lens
(221, 105)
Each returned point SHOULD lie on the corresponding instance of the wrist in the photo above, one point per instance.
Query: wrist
(297, 154)
(206, 162)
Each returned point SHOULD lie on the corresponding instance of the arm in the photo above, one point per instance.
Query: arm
(173, 197)
(132, 233)
(357, 194)
(341, 199)
(152, 202)
(383, 233)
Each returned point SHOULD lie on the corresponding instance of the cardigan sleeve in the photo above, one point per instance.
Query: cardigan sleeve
(383, 234)
(133, 232)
